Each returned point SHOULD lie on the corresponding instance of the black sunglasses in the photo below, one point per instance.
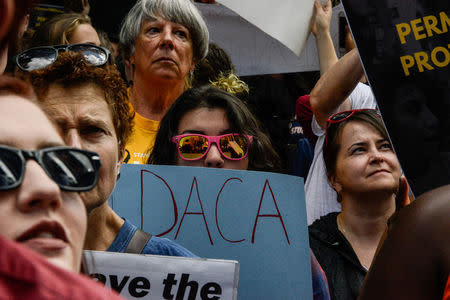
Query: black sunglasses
(72, 169)
(41, 57)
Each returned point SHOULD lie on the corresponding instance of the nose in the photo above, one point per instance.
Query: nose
(213, 158)
(376, 157)
(73, 139)
(167, 38)
(37, 191)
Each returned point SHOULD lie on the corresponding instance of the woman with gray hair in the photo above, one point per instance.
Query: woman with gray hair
(162, 41)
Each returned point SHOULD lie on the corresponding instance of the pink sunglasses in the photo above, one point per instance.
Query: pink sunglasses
(232, 146)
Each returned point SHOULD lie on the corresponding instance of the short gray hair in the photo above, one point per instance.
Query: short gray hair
(181, 12)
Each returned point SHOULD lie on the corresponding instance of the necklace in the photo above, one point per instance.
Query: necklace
(339, 224)
(342, 229)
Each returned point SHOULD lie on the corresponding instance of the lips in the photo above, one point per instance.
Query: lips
(378, 172)
(165, 59)
(44, 237)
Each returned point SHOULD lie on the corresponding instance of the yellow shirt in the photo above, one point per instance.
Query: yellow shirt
(142, 139)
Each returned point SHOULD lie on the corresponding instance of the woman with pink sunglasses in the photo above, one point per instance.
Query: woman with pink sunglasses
(364, 171)
(208, 127)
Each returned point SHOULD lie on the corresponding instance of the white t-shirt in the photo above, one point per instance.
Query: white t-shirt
(321, 198)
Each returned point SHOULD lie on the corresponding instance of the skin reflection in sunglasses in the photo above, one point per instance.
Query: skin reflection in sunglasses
(211, 122)
(37, 213)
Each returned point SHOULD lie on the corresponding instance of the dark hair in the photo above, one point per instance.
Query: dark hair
(76, 6)
(71, 70)
(210, 68)
(332, 146)
(262, 156)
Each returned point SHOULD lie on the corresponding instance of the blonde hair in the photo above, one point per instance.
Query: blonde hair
(58, 30)
(232, 84)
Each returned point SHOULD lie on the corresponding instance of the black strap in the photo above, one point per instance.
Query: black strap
(138, 242)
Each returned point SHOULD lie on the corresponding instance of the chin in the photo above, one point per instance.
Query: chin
(388, 189)
(65, 263)
(93, 199)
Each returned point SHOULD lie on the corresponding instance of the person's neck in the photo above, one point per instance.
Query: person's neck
(365, 216)
(363, 222)
(152, 99)
(102, 228)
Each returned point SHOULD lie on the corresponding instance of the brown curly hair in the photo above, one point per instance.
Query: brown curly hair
(71, 70)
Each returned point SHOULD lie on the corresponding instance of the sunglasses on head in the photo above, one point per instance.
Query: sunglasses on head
(344, 115)
(232, 146)
(72, 169)
(41, 57)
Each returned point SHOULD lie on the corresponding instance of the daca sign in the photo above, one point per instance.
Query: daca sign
(255, 218)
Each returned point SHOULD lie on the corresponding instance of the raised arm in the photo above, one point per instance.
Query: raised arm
(320, 27)
(334, 86)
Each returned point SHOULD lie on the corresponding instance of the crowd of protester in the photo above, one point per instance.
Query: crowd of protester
(70, 117)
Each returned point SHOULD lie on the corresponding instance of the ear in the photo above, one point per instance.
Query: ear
(120, 161)
(130, 59)
(335, 183)
(192, 66)
(7, 10)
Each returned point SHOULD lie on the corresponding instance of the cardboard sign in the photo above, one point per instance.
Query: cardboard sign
(287, 20)
(404, 46)
(256, 218)
(255, 52)
(252, 51)
(164, 277)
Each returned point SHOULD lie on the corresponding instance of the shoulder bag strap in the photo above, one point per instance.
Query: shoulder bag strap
(138, 242)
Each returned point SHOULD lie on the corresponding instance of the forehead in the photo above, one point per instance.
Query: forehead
(85, 33)
(210, 121)
(24, 125)
(358, 131)
(160, 20)
(87, 99)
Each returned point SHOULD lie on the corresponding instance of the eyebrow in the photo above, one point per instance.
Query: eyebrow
(92, 121)
(356, 145)
(84, 121)
(380, 141)
(47, 144)
(202, 132)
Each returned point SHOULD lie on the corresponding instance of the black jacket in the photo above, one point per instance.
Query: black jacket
(344, 272)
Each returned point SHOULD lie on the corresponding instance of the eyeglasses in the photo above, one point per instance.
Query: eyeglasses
(344, 115)
(72, 169)
(232, 146)
(41, 57)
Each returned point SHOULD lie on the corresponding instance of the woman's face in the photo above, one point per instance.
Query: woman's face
(86, 122)
(366, 161)
(85, 34)
(38, 214)
(163, 51)
(209, 122)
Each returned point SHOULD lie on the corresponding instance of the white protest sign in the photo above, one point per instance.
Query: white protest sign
(287, 20)
(164, 277)
(309, 59)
